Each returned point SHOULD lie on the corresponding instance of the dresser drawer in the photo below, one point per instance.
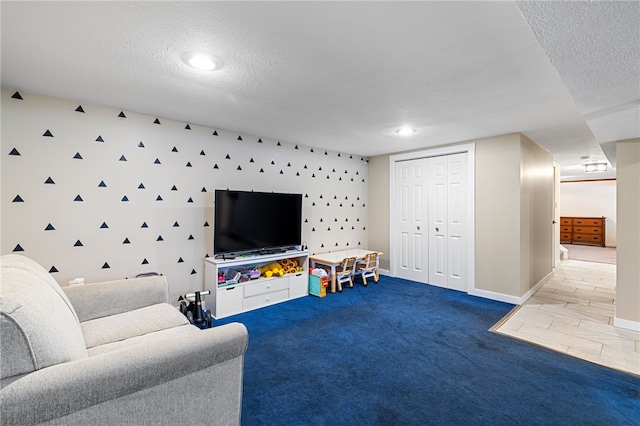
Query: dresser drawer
(265, 299)
(587, 230)
(585, 238)
(565, 237)
(566, 221)
(266, 286)
(588, 221)
(566, 229)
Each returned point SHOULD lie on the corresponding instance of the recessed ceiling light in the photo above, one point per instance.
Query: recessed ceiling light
(200, 61)
(405, 131)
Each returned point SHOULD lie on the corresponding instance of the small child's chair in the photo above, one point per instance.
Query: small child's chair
(368, 267)
(344, 272)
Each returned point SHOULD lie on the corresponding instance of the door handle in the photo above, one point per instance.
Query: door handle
(418, 228)
(437, 229)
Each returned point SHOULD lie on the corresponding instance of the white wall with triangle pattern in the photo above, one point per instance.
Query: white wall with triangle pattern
(100, 193)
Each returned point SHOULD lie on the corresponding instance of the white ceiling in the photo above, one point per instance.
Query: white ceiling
(344, 76)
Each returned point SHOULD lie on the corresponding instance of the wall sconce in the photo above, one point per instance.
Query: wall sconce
(595, 167)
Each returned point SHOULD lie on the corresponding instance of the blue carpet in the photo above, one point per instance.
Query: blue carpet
(404, 353)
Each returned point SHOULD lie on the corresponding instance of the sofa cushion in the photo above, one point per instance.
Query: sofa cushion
(38, 327)
(114, 328)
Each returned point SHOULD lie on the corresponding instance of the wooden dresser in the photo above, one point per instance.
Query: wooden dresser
(582, 230)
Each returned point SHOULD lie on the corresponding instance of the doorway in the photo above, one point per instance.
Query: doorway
(432, 216)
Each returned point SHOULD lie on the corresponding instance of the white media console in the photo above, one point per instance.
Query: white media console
(230, 299)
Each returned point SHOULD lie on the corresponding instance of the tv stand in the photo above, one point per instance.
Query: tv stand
(228, 299)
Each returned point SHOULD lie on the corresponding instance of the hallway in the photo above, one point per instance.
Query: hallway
(573, 314)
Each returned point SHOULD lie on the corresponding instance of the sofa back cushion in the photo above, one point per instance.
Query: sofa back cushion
(38, 325)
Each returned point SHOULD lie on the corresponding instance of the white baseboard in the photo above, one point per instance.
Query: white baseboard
(626, 324)
(514, 300)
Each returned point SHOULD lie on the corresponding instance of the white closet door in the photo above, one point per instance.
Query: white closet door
(438, 212)
(457, 276)
(411, 216)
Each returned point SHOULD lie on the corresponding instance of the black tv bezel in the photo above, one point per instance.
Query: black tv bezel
(270, 249)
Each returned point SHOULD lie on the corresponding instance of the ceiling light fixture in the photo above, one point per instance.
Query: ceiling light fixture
(595, 167)
(200, 61)
(405, 131)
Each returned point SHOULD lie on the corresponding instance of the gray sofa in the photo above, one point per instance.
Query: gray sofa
(110, 353)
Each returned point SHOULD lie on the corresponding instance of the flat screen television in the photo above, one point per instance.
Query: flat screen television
(247, 221)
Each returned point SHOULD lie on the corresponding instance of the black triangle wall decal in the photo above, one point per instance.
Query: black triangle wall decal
(140, 144)
(157, 161)
(215, 133)
(187, 127)
(158, 198)
(261, 170)
(202, 152)
(176, 224)
(159, 238)
(53, 269)
(48, 134)
(16, 96)
(49, 228)
(173, 188)
(260, 140)
(206, 224)
(49, 181)
(102, 184)
(227, 157)
(125, 198)
(141, 186)
(99, 139)
(145, 261)
(144, 225)
(190, 237)
(123, 158)
(104, 225)
(78, 198)
(78, 244)
(126, 241)
(215, 166)
(174, 149)
(156, 121)
(77, 156)
(193, 272)
(239, 138)
(121, 115)
(189, 164)
(106, 266)
(180, 260)
(190, 200)
(18, 199)
(14, 152)
(79, 109)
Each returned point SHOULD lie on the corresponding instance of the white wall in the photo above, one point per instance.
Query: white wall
(104, 235)
(591, 199)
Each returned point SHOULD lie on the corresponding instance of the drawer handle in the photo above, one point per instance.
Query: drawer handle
(229, 288)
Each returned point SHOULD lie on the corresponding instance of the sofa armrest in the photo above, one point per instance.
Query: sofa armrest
(62, 389)
(101, 299)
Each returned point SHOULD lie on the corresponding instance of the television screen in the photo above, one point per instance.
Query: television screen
(256, 221)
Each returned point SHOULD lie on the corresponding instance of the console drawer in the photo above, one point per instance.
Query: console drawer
(587, 230)
(266, 286)
(265, 299)
(587, 238)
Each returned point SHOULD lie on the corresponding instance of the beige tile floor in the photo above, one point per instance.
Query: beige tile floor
(573, 314)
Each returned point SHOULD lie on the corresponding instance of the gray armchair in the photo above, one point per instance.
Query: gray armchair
(110, 353)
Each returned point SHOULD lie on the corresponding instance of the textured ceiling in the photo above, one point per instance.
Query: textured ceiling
(345, 75)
